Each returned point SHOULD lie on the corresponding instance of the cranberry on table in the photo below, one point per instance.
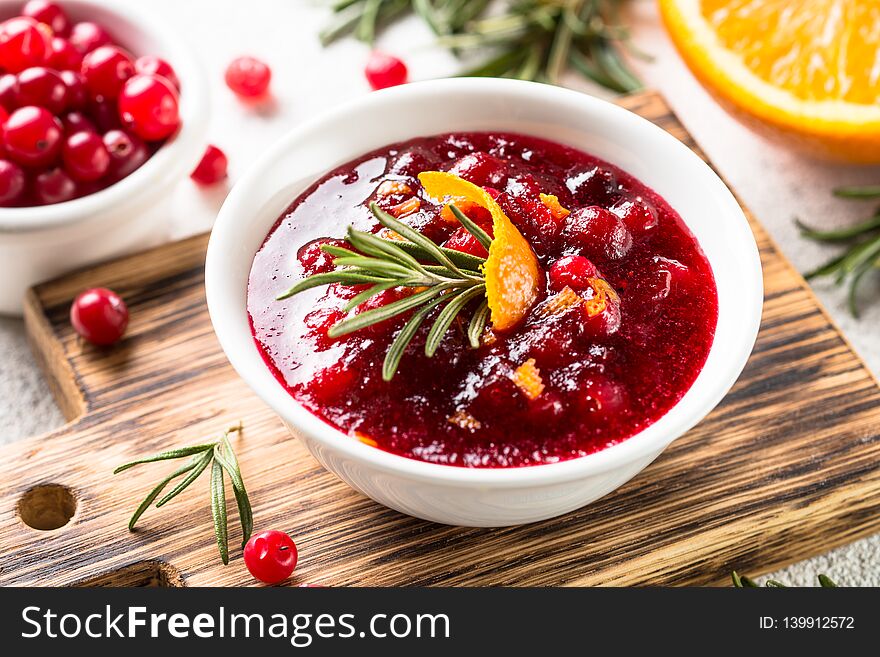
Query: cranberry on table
(85, 157)
(53, 186)
(48, 13)
(32, 136)
(86, 36)
(127, 153)
(23, 43)
(64, 56)
(42, 87)
(148, 105)
(211, 168)
(598, 232)
(248, 77)
(572, 271)
(105, 69)
(12, 183)
(384, 70)
(99, 315)
(152, 65)
(270, 556)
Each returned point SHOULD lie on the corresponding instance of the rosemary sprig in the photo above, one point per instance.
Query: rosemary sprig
(220, 456)
(528, 39)
(743, 582)
(863, 251)
(454, 282)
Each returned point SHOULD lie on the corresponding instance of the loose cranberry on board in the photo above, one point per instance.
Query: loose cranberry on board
(384, 70)
(248, 77)
(211, 168)
(99, 316)
(270, 556)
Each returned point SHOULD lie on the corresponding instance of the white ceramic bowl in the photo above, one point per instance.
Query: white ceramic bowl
(487, 497)
(41, 242)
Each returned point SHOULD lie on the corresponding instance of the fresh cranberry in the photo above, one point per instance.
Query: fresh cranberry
(313, 259)
(87, 36)
(212, 167)
(462, 240)
(105, 69)
(596, 185)
(23, 43)
(383, 70)
(77, 122)
(99, 315)
(32, 136)
(12, 183)
(152, 65)
(603, 323)
(479, 168)
(571, 271)
(248, 77)
(8, 84)
(53, 186)
(270, 556)
(546, 409)
(127, 153)
(64, 56)
(148, 105)
(49, 14)
(85, 157)
(413, 161)
(76, 89)
(42, 87)
(104, 114)
(598, 232)
(638, 214)
(664, 276)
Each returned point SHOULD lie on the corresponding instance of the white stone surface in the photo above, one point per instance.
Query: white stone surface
(776, 184)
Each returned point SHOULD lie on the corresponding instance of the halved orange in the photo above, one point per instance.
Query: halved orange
(511, 270)
(809, 70)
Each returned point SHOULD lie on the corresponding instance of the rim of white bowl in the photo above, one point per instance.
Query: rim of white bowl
(233, 330)
(181, 153)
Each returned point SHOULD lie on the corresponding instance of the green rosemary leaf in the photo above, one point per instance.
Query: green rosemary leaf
(826, 269)
(863, 252)
(153, 494)
(443, 273)
(481, 235)
(856, 278)
(380, 314)
(229, 463)
(841, 234)
(477, 324)
(860, 192)
(589, 70)
(403, 338)
(341, 24)
(164, 456)
(447, 315)
(826, 583)
(366, 28)
(376, 246)
(463, 260)
(373, 266)
(218, 510)
(201, 464)
(361, 297)
(558, 57)
(737, 582)
(337, 251)
(339, 276)
(773, 584)
(415, 237)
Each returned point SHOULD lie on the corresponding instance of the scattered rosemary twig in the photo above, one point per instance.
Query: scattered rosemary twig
(452, 283)
(743, 582)
(528, 39)
(221, 458)
(863, 251)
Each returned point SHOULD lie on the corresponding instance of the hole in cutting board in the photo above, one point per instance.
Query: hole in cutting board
(144, 574)
(47, 507)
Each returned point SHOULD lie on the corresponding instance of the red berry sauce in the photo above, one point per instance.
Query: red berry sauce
(605, 376)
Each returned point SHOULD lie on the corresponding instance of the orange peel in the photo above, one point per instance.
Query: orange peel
(527, 378)
(512, 272)
(557, 210)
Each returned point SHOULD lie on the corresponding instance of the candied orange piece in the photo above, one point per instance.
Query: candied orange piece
(527, 378)
(389, 187)
(464, 420)
(511, 270)
(603, 294)
(555, 207)
(560, 302)
(409, 206)
(388, 234)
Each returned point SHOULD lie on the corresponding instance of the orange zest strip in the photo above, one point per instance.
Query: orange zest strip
(389, 187)
(365, 439)
(560, 302)
(527, 378)
(603, 294)
(555, 207)
(464, 420)
(512, 272)
(409, 206)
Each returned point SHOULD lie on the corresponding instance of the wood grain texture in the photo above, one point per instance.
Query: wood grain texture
(786, 467)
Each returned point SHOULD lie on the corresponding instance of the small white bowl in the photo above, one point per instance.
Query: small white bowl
(37, 243)
(506, 496)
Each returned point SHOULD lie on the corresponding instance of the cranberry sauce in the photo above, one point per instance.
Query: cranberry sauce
(600, 378)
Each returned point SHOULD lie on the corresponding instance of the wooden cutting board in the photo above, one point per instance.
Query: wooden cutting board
(786, 467)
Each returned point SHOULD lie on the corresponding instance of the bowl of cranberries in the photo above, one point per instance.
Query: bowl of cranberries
(101, 112)
(491, 314)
